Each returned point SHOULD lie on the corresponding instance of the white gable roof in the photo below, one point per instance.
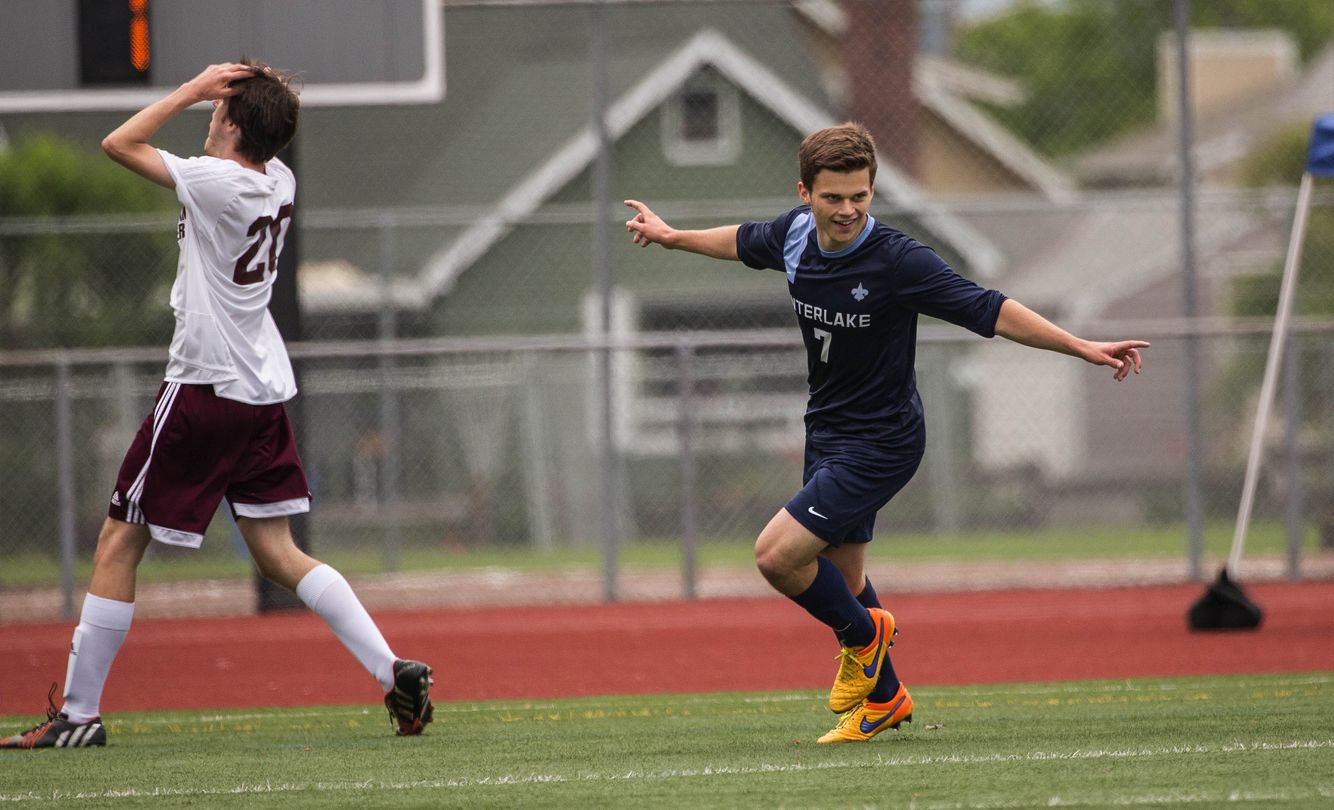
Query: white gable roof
(706, 48)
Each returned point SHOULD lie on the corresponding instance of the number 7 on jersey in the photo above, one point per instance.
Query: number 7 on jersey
(826, 339)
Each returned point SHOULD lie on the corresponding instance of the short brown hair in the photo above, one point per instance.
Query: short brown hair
(847, 147)
(266, 110)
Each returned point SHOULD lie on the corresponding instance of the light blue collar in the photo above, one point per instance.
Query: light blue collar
(856, 243)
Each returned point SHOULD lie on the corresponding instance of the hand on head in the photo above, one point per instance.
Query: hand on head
(217, 81)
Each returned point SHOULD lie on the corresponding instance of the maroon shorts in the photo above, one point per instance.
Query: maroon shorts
(196, 448)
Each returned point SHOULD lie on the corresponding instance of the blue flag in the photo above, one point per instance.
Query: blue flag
(1320, 158)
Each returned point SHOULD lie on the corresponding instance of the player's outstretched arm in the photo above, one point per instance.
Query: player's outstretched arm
(1022, 325)
(647, 228)
(129, 145)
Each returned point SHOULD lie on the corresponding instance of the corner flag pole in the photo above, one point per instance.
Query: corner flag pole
(1319, 163)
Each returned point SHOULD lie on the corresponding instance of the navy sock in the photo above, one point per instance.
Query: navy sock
(888, 685)
(829, 600)
(868, 596)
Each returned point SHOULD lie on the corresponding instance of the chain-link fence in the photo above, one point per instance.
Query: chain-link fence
(435, 456)
(493, 375)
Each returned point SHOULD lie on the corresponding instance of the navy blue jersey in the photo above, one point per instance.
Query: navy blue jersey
(857, 310)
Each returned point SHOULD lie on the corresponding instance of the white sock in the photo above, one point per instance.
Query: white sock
(326, 592)
(103, 625)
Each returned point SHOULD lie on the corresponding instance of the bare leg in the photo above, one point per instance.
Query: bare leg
(795, 563)
(271, 544)
(322, 589)
(120, 548)
(786, 552)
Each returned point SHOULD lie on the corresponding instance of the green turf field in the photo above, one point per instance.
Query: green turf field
(1259, 741)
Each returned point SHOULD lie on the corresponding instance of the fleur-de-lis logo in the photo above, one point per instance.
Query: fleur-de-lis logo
(859, 292)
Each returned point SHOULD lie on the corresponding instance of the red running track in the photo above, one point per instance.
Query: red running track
(704, 646)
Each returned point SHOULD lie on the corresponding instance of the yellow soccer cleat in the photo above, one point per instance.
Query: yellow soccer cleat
(869, 719)
(858, 671)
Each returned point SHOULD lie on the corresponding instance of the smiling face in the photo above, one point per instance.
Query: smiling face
(839, 201)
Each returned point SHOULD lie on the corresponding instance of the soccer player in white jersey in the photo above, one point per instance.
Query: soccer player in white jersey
(219, 428)
(857, 288)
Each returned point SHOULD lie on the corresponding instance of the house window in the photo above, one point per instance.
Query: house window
(699, 116)
(701, 124)
(742, 395)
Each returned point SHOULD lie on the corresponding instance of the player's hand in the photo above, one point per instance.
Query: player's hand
(1122, 356)
(646, 227)
(215, 81)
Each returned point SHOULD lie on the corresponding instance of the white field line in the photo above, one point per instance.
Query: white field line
(879, 761)
(1038, 689)
(472, 708)
(1313, 679)
(1265, 799)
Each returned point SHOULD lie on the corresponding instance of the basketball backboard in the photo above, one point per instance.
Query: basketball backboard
(347, 52)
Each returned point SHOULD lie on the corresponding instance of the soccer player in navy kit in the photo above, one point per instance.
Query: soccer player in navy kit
(857, 288)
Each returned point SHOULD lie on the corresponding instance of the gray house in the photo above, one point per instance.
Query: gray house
(475, 216)
(704, 114)
(1115, 254)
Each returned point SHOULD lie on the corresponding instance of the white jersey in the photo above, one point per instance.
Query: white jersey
(233, 221)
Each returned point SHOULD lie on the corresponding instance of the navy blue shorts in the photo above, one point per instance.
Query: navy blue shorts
(845, 484)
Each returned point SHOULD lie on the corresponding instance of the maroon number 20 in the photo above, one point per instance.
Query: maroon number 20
(265, 227)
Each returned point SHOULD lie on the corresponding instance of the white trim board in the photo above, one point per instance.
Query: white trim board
(707, 47)
(429, 88)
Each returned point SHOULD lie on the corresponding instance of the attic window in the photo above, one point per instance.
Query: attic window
(701, 124)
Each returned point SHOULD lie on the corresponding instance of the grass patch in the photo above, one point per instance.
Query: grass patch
(1264, 741)
(220, 559)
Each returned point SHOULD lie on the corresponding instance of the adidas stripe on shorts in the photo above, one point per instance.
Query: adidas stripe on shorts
(196, 448)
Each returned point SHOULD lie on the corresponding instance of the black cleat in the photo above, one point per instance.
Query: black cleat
(409, 703)
(59, 731)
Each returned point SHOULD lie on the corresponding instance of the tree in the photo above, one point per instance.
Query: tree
(1090, 65)
(64, 282)
(69, 284)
